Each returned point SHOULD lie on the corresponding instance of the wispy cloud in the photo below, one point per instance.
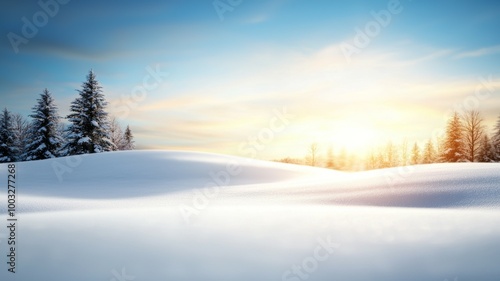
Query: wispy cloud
(479, 52)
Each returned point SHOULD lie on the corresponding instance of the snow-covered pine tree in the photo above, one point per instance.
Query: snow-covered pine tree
(21, 128)
(129, 143)
(89, 128)
(486, 150)
(454, 150)
(7, 146)
(45, 140)
(496, 140)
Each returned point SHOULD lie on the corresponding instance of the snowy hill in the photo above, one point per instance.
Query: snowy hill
(164, 215)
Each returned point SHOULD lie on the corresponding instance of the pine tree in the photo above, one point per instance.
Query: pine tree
(429, 153)
(390, 155)
(454, 150)
(486, 150)
(415, 154)
(7, 144)
(46, 141)
(496, 140)
(129, 143)
(404, 153)
(21, 128)
(89, 128)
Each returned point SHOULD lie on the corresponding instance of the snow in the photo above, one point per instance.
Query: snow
(119, 215)
(84, 140)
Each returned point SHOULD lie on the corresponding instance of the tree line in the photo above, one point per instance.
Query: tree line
(91, 129)
(465, 140)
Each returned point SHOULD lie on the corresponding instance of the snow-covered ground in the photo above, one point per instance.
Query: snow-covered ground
(160, 215)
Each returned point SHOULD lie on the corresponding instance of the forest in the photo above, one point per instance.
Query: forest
(91, 129)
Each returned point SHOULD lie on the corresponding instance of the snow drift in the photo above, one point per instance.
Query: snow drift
(162, 215)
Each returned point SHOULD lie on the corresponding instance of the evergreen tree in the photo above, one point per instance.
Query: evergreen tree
(21, 128)
(496, 140)
(429, 153)
(486, 150)
(129, 143)
(89, 128)
(454, 150)
(7, 144)
(390, 155)
(404, 153)
(45, 140)
(415, 154)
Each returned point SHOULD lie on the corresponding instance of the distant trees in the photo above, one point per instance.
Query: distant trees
(429, 153)
(486, 151)
(496, 140)
(21, 128)
(89, 131)
(473, 132)
(454, 150)
(7, 140)
(128, 140)
(330, 162)
(465, 140)
(415, 154)
(116, 135)
(45, 139)
(313, 154)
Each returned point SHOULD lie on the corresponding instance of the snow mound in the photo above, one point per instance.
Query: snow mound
(154, 178)
(165, 215)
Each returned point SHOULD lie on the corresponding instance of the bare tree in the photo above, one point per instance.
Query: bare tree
(329, 158)
(116, 134)
(313, 154)
(473, 132)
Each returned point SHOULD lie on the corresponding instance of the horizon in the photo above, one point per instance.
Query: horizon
(200, 77)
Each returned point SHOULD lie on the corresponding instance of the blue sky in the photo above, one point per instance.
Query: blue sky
(228, 75)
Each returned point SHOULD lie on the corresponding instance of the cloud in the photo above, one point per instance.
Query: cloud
(479, 52)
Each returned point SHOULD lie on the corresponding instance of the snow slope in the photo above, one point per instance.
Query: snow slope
(164, 215)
